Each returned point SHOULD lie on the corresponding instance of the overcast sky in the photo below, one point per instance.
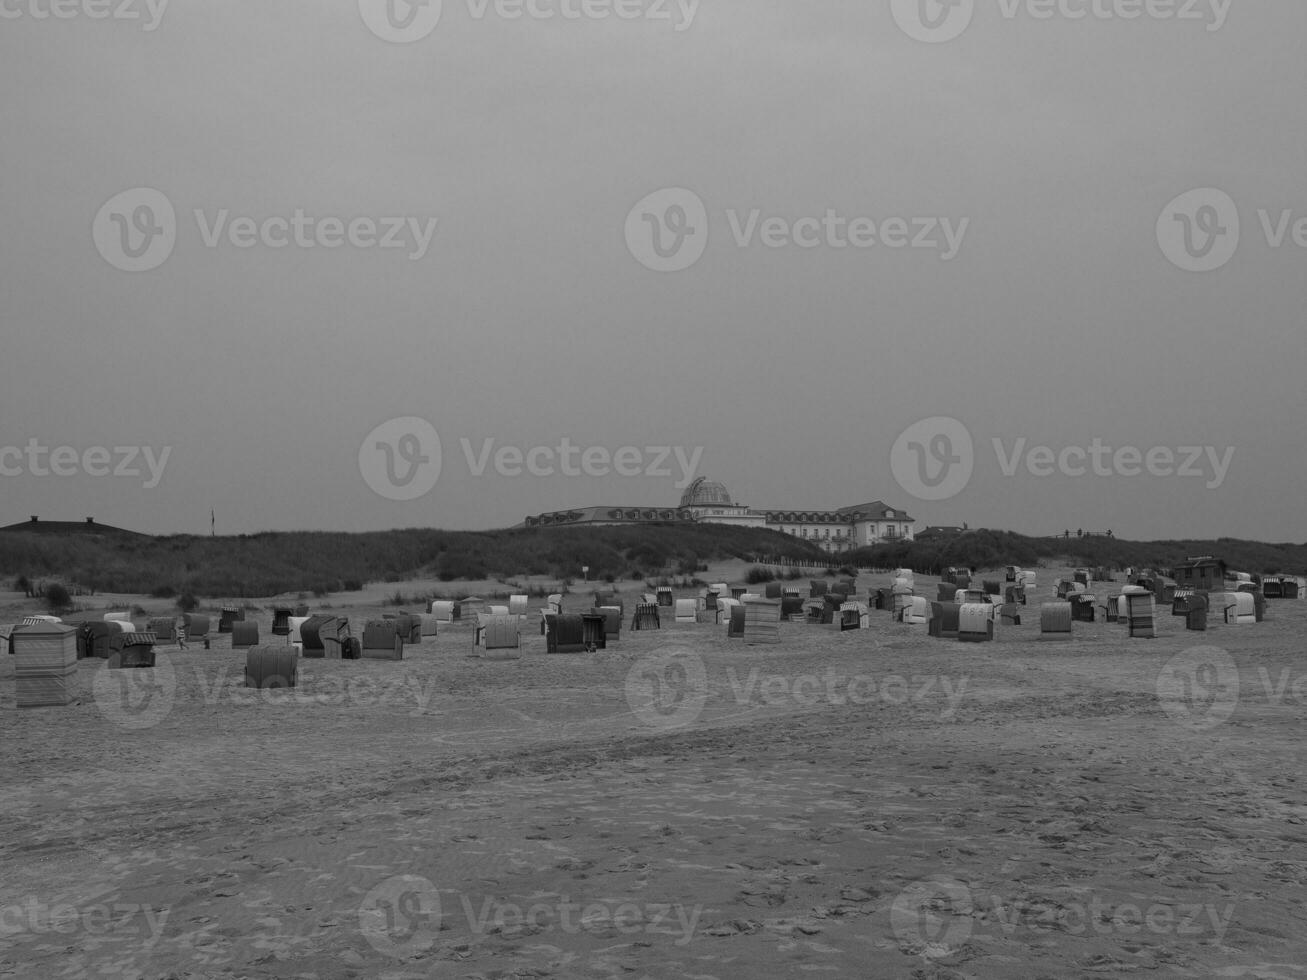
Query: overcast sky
(1032, 160)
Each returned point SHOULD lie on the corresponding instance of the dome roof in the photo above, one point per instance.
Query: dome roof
(704, 493)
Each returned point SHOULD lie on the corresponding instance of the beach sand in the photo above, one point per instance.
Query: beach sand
(873, 803)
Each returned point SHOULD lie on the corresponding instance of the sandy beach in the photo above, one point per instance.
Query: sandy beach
(868, 803)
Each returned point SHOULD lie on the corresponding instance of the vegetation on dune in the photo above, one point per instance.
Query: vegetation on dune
(994, 549)
(323, 562)
(272, 563)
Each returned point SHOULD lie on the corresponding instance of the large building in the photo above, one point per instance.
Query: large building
(708, 502)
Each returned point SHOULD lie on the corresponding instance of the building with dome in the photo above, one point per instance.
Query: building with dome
(709, 502)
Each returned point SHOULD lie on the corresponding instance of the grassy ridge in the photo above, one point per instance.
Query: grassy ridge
(992, 549)
(322, 562)
(273, 563)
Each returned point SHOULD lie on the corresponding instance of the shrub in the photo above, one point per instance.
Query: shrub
(350, 585)
(187, 602)
(139, 610)
(163, 592)
(460, 565)
(57, 597)
(757, 575)
(24, 585)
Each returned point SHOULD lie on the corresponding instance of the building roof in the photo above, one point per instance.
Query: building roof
(875, 511)
(608, 515)
(1207, 561)
(34, 525)
(705, 493)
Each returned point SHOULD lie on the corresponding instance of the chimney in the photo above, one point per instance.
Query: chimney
(33, 518)
(90, 520)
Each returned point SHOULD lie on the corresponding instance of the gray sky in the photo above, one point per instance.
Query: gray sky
(1060, 320)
